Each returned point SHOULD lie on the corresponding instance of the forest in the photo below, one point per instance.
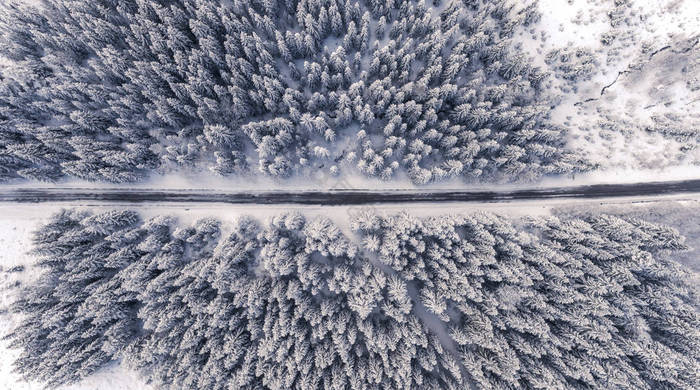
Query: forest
(396, 302)
(289, 91)
(118, 90)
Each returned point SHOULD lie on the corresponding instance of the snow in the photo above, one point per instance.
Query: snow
(15, 237)
(112, 377)
(658, 88)
(32, 3)
(212, 182)
(647, 88)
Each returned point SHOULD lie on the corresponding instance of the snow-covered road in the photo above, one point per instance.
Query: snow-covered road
(345, 196)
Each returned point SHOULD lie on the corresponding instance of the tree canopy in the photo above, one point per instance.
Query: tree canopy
(405, 303)
(114, 90)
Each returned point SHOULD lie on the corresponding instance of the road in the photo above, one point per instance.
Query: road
(344, 197)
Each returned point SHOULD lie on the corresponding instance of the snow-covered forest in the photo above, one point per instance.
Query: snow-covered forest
(115, 90)
(432, 104)
(400, 302)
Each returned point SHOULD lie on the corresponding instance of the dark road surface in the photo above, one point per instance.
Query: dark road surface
(345, 197)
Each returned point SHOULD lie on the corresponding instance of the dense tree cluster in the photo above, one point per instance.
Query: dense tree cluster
(590, 303)
(294, 304)
(112, 90)
(291, 305)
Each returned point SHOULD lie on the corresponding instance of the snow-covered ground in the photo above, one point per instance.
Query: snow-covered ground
(15, 242)
(637, 106)
(609, 175)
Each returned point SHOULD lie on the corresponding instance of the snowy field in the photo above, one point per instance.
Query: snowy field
(640, 87)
